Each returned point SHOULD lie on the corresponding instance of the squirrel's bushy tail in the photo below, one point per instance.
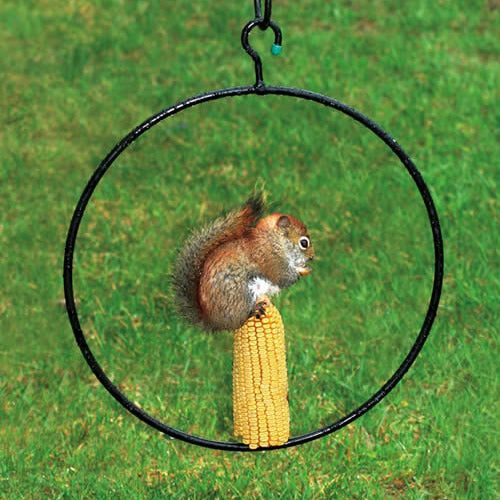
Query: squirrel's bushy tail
(189, 264)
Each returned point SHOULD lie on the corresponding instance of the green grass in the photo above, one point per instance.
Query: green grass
(76, 77)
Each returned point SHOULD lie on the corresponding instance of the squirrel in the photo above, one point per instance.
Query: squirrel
(227, 270)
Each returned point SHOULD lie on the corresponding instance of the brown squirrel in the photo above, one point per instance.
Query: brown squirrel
(227, 269)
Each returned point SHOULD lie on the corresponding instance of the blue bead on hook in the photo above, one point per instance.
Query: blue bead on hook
(276, 49)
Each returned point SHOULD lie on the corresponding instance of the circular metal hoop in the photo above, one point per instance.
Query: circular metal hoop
(211, 96)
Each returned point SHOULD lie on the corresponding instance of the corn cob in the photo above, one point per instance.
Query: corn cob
(260, 385)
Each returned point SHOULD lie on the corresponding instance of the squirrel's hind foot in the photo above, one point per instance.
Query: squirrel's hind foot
(260, 306)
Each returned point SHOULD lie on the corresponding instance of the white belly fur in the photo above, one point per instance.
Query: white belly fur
(260, 286)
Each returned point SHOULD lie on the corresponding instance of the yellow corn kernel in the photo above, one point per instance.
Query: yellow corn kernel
(260, 385)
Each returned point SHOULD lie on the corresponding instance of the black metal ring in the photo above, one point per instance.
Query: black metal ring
(211, 96)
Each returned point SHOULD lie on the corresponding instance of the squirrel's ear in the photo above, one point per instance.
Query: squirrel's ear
(284, 223)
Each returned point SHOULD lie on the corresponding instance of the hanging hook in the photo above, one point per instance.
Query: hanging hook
(264, 22)
(266, 19)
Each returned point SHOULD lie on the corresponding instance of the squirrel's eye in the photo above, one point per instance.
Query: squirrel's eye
(304, 242)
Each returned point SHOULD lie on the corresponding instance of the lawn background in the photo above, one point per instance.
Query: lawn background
(78, 76)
